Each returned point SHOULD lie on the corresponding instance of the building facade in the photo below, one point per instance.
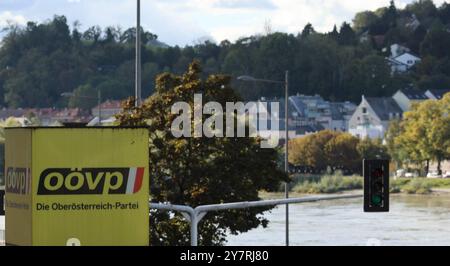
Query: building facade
(372, 117)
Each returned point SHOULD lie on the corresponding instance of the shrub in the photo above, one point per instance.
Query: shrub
(330, 184)
(418, 186)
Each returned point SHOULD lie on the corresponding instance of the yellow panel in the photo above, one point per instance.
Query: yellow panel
(86, 186)
(18, 187)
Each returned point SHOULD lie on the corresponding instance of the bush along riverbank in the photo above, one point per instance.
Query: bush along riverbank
(310, 184)
(326, 184)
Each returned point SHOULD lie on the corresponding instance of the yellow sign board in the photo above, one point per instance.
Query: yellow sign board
(77, 186)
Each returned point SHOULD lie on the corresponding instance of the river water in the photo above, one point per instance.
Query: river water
(412, 220)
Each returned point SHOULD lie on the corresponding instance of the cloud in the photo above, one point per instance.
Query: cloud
(251, 4)
(7, 17)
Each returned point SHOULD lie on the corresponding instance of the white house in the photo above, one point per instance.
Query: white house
(401, 59)
(372, 117)
(397, 50)
(406, 97)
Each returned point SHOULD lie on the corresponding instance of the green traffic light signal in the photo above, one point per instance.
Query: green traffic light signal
(376, 200)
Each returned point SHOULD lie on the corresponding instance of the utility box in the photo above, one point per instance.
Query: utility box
(77, 186)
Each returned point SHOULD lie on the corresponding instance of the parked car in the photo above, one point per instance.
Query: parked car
(446, 174)
(434, 174)
(400, 173)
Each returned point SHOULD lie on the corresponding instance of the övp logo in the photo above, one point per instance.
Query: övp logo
(18, 180)
(89, 181)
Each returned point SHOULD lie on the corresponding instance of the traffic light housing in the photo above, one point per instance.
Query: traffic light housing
(376, 185)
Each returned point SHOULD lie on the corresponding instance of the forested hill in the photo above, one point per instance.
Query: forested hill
(40, 61)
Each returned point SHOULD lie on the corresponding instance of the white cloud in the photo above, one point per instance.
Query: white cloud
(6, 17)
(250, 4)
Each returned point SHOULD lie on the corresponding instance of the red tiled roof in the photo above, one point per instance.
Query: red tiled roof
(110, 104)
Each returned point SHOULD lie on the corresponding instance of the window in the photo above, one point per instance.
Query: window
(364, 110)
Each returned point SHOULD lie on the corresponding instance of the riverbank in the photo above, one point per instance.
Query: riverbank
(327, 184)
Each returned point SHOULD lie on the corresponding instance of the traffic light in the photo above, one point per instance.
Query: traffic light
(376, 185)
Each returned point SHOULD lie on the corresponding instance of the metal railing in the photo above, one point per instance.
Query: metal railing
(195, 215)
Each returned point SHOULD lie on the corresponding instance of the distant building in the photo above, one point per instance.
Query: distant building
(46, 116)
(406, 97)
(108, 109)
(364, 37)
(6, 113)
(401, 60)
(413, 23)
(436, 94)
(310, 111)
(71, 115)
(372, 117)
(341, 113)
(307, 115)
(315, 111)
(397, 50)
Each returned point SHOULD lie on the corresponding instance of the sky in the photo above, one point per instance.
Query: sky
(184, 22)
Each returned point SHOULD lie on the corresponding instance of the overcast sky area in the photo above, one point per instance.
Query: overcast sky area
(182, 22)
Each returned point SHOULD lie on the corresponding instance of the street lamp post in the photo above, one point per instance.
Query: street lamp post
(286, 128)
(99, 96)
(138, 82)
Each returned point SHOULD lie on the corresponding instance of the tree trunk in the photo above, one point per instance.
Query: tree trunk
(439, 159)
(427, 167)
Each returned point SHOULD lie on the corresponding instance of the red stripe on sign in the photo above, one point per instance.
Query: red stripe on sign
(139, 178)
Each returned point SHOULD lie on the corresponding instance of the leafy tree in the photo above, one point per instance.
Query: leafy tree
(346, 35)
(334, 34)
(307, 30)
(84, 97)
(423, 9)
(372, 149)
(364, 20)
(342, 152)
(394, 149)
(198, 171)
(436, 43)
(391, 15)
(426, 132)
(434, 81)
(92, 34)
(326, 149)
(444, 13)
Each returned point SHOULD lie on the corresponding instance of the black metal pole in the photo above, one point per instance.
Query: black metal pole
(286, 154)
